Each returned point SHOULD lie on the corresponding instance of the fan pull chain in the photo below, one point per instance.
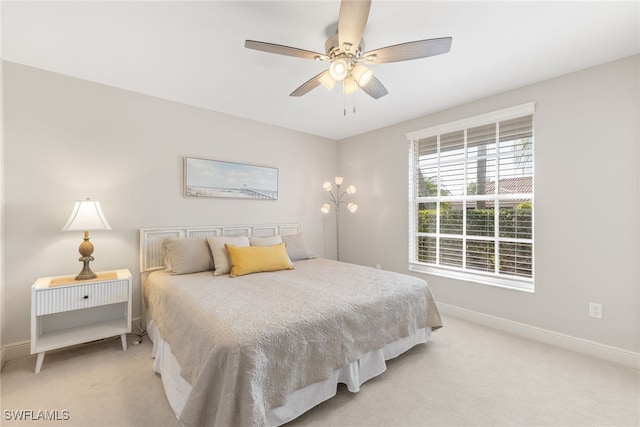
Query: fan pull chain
(344, 105)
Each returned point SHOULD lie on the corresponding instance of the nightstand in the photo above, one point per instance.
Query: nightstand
(65, 311)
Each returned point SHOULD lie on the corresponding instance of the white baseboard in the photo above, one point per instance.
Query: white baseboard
(15, 350)
(23, 348)
(592, 348)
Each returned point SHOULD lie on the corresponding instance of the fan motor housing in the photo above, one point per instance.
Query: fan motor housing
(332, 48)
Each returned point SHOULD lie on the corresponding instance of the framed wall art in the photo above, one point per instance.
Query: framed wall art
(215, 178)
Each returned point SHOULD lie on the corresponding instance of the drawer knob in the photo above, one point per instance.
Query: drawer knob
(86, 297)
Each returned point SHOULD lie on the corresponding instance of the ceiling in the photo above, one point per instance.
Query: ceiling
(193, 52)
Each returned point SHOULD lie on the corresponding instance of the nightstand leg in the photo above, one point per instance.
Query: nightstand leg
(123, 338)
(39, 361)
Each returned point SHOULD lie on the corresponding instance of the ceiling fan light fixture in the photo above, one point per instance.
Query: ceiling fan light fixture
(327, 81)
(347, 57)
(362, 74)
(339, 69)
(349, 85)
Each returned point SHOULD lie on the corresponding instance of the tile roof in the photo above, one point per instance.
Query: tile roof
(517, 185)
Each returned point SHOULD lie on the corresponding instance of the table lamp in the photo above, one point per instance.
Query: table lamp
(86, 215)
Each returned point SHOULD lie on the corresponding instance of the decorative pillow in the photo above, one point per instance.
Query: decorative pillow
(257, 259)
(220, 254)
(265, 241)
(183, 256)
(297, 248)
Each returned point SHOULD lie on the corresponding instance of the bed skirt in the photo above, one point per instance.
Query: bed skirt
(353, 375)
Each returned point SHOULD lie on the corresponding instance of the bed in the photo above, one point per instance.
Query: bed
(242, 348)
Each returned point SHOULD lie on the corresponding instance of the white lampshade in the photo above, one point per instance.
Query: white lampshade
(86, 215)
(327, 81)
(352, 207)
(325, 208)
(362, 74)
(351, 189)
(338, 69)
(339, 180)
(349, 85)
(327, 186)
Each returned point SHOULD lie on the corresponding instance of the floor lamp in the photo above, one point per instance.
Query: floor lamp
(336, 200)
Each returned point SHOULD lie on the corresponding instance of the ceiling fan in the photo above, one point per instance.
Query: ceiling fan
(345, 53)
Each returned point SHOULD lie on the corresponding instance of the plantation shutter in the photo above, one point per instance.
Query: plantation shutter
(471, 198)
(518, 128)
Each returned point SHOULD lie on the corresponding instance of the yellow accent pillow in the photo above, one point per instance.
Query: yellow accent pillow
(256, 259)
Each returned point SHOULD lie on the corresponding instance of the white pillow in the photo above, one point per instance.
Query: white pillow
(265, 241)
(297, 249)
(183, 256)
(221, 261)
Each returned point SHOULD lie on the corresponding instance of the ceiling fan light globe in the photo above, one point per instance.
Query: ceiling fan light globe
(327, 81)
(352, 207)
(325, 208)
(362, 74)
(326, 186)
(338, 69)
(349, 85)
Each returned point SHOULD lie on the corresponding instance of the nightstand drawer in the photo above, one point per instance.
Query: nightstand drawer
(67, 298)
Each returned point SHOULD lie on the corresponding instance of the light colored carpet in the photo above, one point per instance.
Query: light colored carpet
(468, 375)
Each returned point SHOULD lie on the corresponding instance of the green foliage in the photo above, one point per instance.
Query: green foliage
(525, 205)
(515, 258)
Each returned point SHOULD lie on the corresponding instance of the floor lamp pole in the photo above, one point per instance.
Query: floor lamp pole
(336, 199)
(337, 232)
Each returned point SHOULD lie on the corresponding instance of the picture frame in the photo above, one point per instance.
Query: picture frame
(204, 178)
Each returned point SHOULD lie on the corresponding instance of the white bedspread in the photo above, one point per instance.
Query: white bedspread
(245, 344)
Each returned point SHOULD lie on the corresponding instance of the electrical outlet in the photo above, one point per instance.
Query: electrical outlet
(595, 310)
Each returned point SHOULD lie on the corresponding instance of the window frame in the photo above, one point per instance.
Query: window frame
(460, 273)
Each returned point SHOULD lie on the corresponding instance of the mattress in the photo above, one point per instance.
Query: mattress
(263, 348)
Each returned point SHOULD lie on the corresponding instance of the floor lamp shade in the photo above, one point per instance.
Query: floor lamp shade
(86, 215)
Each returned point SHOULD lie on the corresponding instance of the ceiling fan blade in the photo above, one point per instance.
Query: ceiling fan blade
(410, 50)
(309, 85)
(375, 88)
(351, 23)
(283, 50)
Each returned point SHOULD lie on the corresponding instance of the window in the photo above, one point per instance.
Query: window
(471, 199)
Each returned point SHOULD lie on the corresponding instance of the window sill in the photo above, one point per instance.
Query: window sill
(523, 285)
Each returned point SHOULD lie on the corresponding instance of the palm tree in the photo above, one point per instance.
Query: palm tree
(481, 174)
(523, 149)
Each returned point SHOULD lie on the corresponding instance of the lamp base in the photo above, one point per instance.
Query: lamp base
(86, 249)
(86, 272)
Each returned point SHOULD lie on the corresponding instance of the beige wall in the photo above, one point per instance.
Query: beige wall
(67, 139)
(586, 160)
